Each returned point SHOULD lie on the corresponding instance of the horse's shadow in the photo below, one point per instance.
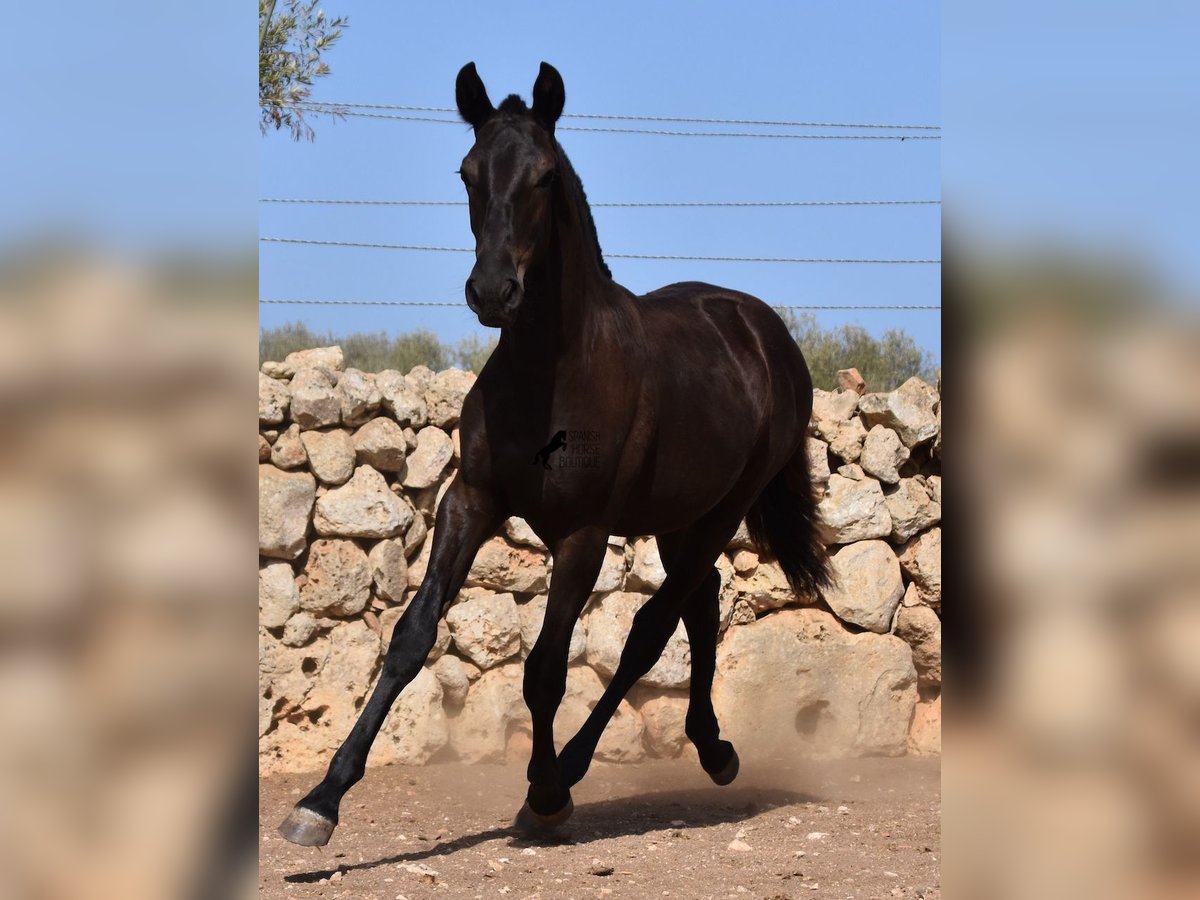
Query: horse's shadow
(620, 817)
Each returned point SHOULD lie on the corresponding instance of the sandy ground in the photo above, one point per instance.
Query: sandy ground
(860, 828)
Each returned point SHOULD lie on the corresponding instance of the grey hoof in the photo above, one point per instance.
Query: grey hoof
(528, 820)
(727, 774)
(306, 828)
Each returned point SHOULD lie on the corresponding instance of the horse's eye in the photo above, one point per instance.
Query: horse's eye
(546, 180)
(465, 180)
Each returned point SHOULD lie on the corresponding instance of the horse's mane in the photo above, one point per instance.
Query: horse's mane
(573, 183)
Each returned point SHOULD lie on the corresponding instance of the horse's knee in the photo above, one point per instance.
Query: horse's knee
(541, 687)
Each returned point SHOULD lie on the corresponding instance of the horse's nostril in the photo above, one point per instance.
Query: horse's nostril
(472, 294)
(510, 288)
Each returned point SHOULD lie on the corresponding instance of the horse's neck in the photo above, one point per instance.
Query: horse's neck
(571, 304)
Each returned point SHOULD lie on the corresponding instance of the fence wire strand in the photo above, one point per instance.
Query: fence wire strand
(651, 256)
(666, 204)
(446, 303)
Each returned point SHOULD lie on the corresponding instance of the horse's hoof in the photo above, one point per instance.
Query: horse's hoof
(528, 820)
(307, 828)
(727, 774)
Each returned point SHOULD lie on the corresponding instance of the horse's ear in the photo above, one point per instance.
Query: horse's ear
(473, 103)
(549, 95)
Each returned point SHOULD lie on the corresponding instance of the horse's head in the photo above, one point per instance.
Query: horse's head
(509, 175)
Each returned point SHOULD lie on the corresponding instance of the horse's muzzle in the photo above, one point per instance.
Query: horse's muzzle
(495, 302)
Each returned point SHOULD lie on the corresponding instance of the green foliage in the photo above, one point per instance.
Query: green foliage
(884, 364)
(289, 58)
(472, 353)
(374, 352)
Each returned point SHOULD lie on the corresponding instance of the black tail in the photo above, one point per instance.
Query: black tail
(783, 520)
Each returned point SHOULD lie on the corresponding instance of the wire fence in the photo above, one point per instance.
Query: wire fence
(653, 256)
(447, 303)
(666, 204)
(341, 110)
(780, 123)
(413, 113)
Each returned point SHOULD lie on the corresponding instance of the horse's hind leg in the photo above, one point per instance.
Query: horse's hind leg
(465, 519)
(688, 559)
(701, 618)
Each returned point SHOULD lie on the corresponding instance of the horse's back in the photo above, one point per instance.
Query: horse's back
(703, 324)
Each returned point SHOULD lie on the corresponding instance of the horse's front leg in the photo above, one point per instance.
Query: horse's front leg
(465, 519)
(577, 562)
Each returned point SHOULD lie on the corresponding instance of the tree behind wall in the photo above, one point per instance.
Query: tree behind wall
(884, 363)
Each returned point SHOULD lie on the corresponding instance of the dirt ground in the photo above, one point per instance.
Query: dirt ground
(853, 829)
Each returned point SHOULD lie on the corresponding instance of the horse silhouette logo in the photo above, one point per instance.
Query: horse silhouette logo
(558, 442)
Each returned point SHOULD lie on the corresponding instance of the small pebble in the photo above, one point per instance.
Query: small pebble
(739, 846)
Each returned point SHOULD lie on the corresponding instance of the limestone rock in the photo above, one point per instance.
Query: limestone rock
(359, 396)
(796, 680)
(315, 401)
(741, 538)
(264, 450)
(485, 627)
(417, 567)
(277, 594)
(362, 507)
(909, 411)
(664, 717)
(418, 378)
(612, 571)
(765, 588)
(273, 400)
(402, 402)
(416, 728)
(921, 629)
(925, 737)
(445, 394)
(494, 704)
(285, 500)
(853, 511)
(921, 561)
(286, 673)
(518, 531)
(414, 538)
(428, 462)
(501, 567)
(851, 380)
(830, 411)
(883, 454)
(647, 573)
(326, 357)
(608, 621)
(912, 507)
(847, 441)
(533, 613)
(338, 579)
(288, 451)
(818, 460)
(330, 455)
(867, 587)
(380, 443)
(622, 740)
(299, 629)
(389, 569)
(453, 679)
(745, 562)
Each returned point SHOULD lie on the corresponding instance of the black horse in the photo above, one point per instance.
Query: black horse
(697, 399)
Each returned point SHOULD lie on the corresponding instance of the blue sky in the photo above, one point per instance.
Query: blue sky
(875, 62)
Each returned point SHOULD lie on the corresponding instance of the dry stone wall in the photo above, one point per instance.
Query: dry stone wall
(352, 465)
